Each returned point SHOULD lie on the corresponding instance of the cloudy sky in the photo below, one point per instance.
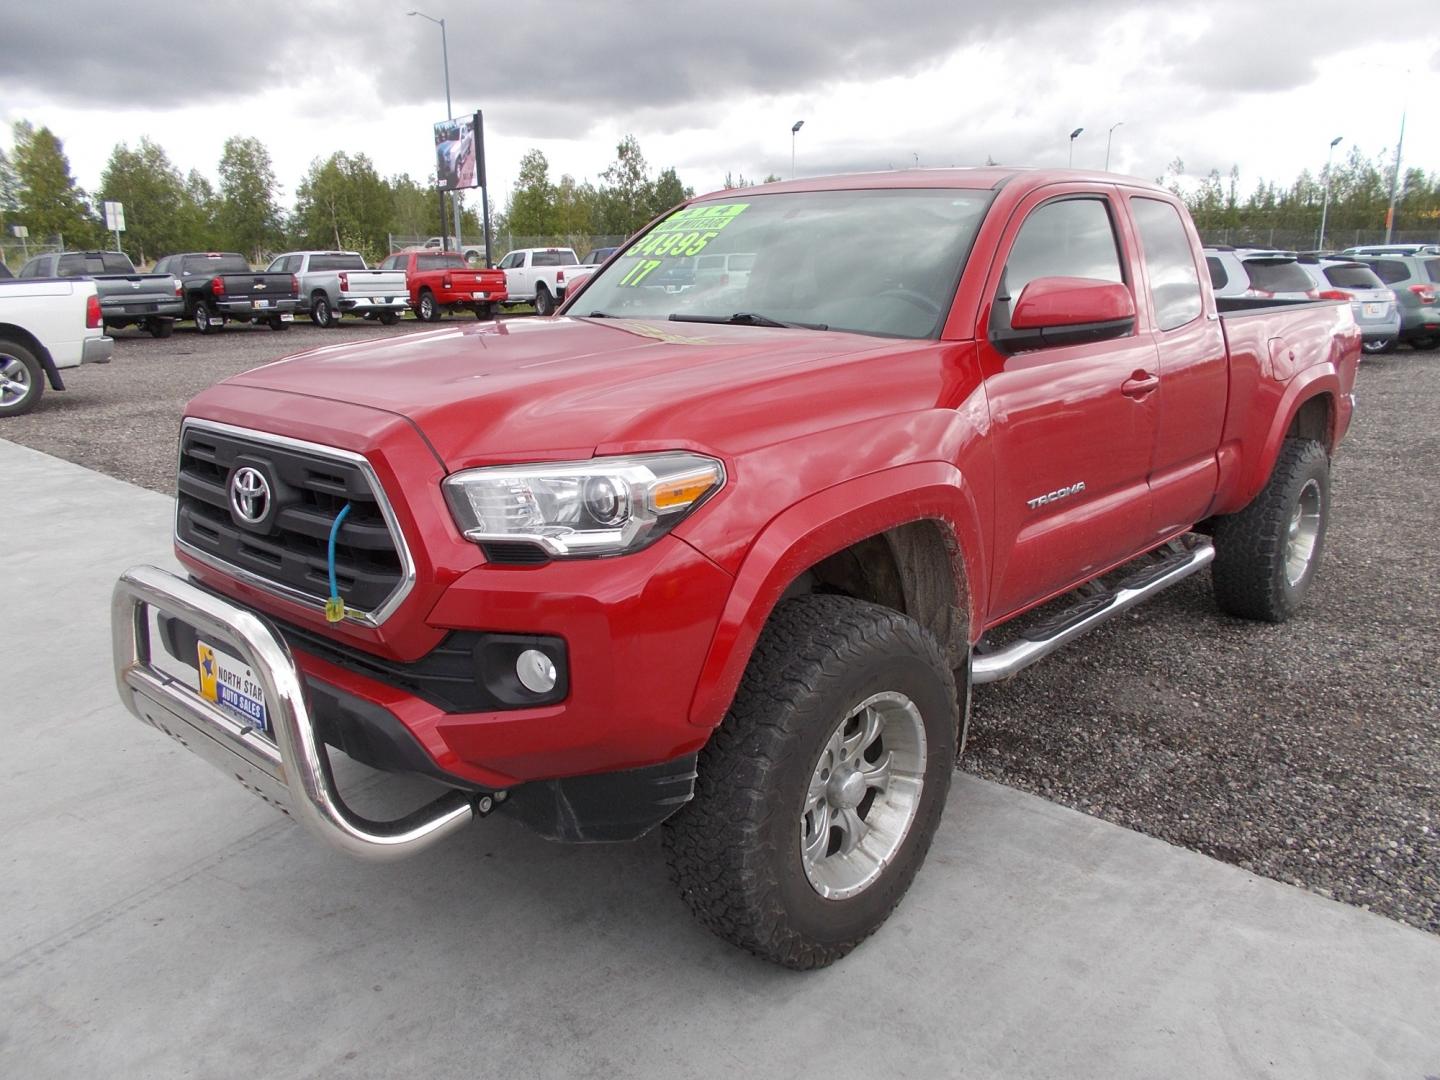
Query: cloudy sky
(714, 87)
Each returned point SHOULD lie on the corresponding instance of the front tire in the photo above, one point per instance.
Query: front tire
(160, 328)
(1267, 554)
(388, 318)
(1383, 345)
(818, 795)
(22, 379)
(275, 322)
(544, 302)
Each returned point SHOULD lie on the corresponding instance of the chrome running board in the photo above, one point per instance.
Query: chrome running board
(1089, 612)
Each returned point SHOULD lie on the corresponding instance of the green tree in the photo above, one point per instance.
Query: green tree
(154, 196)
(49, 202)
(531, 209)
(667, 191)
(343, 197)
(248, 217)
(628, 193)
(198, 213)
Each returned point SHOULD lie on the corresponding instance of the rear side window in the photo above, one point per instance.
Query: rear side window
(1352, 277)
(741, 263)
(545, 258)
(1218, 277)
(336, 262)
(1174, 284)
(1432, 267)
(1066, 238)
(567, 258)
(441, 262)
(1277, 277)
(1390, 270)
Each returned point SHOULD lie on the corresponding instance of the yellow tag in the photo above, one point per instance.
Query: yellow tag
(334, 609)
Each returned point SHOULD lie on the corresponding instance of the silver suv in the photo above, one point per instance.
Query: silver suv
(1376, 311)
(1258, 273)
(1415, 281)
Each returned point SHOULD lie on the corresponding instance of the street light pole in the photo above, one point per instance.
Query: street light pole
(1395, 180)
(1108, 136)
(1073, 136)
(1325, 209)
(794, 130)
(449, 111)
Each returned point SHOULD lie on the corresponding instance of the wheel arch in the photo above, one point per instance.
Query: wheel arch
(907, 538)
(25, 339)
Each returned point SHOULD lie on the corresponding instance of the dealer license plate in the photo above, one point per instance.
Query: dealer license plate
(233, 686)
(480, 296)
(262, 303)
(1374, 311)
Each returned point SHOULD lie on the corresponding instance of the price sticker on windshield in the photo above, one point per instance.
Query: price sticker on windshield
(680, 236)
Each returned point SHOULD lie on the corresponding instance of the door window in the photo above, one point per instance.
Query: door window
(1174, 284)
(1064, 238)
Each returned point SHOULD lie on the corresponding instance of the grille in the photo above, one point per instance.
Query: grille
(286, 549)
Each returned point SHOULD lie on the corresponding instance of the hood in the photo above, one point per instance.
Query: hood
(525, 389)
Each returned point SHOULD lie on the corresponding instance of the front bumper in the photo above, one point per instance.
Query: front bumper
(292, 772)
(97, 350)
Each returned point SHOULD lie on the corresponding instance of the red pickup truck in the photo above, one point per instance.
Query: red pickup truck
(730, 560)
(443, 281)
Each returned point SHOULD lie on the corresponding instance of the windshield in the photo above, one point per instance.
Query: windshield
(882, 262)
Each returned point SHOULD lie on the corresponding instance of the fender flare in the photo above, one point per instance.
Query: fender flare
(820, 526)
(42, 354)
(1307, 385)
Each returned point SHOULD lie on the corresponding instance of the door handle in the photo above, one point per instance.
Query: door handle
(1140, 384)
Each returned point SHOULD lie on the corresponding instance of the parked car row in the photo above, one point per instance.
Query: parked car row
(1392, 289)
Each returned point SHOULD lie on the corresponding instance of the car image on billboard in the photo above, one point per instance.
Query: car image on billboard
(455, 154)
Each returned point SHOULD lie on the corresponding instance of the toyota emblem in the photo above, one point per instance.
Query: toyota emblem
(250, 495)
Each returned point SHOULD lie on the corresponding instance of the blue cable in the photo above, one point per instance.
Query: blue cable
(330, 556)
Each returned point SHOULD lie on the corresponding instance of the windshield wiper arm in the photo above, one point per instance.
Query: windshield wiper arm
(601, 315)
(748, 318)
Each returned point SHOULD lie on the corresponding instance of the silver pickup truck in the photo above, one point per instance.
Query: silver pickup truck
(127, 297)
(333, 283)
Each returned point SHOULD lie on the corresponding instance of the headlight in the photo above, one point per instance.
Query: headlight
(574, 509)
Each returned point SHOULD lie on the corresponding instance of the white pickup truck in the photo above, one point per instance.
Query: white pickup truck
(333, 283)
(46, 324)
(538, 276)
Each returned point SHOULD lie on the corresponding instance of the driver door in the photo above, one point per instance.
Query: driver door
(1073, 426)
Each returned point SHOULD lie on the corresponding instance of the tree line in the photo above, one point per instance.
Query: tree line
(342, 201)
(1359, 198)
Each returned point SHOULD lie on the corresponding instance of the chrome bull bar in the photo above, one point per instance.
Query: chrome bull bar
(293, 772)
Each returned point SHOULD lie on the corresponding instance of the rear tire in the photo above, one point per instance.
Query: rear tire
(1384, 345)
(321, 313)
(1267, 554)
(22, 379)
(544, 302)
(1425, 343)
(427, 310)
(818, 795)
(206, 319)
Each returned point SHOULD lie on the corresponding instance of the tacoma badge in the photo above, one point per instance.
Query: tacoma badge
(1056, 495)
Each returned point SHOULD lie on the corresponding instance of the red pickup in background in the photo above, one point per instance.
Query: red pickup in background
(441, 281)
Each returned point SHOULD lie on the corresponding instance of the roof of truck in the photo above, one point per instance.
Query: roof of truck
(992, 177)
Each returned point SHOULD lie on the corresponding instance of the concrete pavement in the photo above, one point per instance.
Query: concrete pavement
(160, 922)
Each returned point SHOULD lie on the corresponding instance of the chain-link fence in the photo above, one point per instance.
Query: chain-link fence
(15, 251)
(1309, 239)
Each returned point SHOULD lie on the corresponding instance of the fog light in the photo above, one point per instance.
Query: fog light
(536, 671)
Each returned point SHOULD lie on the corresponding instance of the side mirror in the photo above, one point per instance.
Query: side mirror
(1055, 311)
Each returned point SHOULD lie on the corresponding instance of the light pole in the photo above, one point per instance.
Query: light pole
(1325, 209)
(794, 130)
(1108, 136)
(1395, 180)
(449, 113)
(1073, 136)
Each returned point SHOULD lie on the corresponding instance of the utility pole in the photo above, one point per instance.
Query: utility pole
(1325, 209)
(1108, 136)
(1395, 179)
(449, 114)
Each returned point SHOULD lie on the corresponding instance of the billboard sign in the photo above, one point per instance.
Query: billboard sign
(458, 158)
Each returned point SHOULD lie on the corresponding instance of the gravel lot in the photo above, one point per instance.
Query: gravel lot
(1309, 752)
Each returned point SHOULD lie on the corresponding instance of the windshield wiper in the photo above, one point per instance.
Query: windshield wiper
(601, 315)
(748, 318)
